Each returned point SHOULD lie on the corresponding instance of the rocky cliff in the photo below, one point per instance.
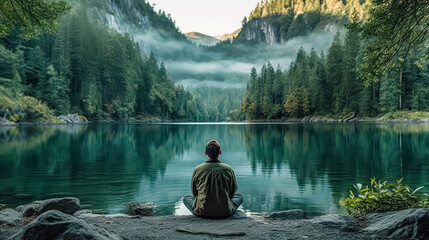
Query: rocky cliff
(261, 30)
(274, 31)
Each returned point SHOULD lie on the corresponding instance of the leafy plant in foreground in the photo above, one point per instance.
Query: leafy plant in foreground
(383, 197)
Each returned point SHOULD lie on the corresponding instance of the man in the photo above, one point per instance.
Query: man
(213, 187)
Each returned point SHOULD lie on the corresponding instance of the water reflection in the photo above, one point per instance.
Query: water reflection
(278, 166)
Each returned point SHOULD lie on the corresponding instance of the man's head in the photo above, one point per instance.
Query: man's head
(213, 149)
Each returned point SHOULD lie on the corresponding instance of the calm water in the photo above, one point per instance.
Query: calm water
(278, 166)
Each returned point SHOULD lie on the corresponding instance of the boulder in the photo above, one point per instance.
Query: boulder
(11, 217)
(339, 221)
(54, 224)
(71, 118)
(288, 215)
(142, 209)
(405, 224)
(67, 205)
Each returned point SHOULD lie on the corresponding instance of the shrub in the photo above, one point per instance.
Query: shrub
(383, 197)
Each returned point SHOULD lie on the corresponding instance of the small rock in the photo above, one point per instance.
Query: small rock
(288, 215)
(57, 225)
(405, 224)
(11, 217)
(339, 221)
(67, 205)
(142, 209)
(29, 209)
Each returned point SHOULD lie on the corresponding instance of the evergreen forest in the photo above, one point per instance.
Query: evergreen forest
(89, 69)
(329, 85)
(76, 63)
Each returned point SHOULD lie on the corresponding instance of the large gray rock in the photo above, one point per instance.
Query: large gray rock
(405, 224)
(67, 205)
(71, 118)
(11, 217)
(56, 225)
(142, 209)
(288, 215)
(339, 221)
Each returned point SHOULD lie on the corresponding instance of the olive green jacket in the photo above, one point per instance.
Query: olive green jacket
(213, 185)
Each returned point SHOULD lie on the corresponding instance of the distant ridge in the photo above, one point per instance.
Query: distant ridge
(201, 39)
(228, 36)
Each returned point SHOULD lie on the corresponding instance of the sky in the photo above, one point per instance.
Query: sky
(207, 16)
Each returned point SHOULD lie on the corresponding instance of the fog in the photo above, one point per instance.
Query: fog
(192, 66)
(196, 83)
(219, 73)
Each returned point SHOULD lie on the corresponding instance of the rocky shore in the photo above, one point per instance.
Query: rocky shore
(61, 218)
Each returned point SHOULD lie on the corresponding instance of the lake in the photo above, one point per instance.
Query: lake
(278, 166)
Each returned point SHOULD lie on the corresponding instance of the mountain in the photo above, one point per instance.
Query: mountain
(131, 16)
(277, 21)
(228, 36)
(201, 39)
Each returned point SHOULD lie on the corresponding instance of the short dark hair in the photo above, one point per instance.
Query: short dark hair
(212, 149)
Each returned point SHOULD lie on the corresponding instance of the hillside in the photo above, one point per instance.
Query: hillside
(277, 21)
(228, 36)
(201, 39)
(94, 66)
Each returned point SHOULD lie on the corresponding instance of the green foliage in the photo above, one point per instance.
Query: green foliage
(23, 108)
(383, 197)
(88, 69)
(33, 17)
(330, 85)
(403, 115)
(392, 27)
(299, 17)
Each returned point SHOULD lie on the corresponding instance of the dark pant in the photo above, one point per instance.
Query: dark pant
(188, 200)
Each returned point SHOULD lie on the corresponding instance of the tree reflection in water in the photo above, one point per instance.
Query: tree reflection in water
(278, 166)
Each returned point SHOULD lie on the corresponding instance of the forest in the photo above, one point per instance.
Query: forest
(79, 65)
(319, 84)
(89, 69)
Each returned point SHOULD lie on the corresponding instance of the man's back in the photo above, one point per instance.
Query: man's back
(213, 185)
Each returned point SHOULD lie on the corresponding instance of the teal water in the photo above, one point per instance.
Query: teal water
(278, 166)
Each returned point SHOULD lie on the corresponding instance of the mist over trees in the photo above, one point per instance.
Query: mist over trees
(91, 70)
(329, 85)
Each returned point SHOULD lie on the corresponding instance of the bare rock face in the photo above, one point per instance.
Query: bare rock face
(67, 205)
(288, 215)
(57, 225)
(405, 224)
(262, 31)
(72, 118)
(142, 209)
(11, 217)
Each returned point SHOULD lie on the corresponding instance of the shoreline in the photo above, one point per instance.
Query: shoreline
(290, 224)
(63, 218)
(405, 121)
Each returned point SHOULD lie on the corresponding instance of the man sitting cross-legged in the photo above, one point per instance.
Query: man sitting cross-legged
(213, 187)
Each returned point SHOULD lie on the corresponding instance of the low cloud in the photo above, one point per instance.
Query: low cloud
(196, 83)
